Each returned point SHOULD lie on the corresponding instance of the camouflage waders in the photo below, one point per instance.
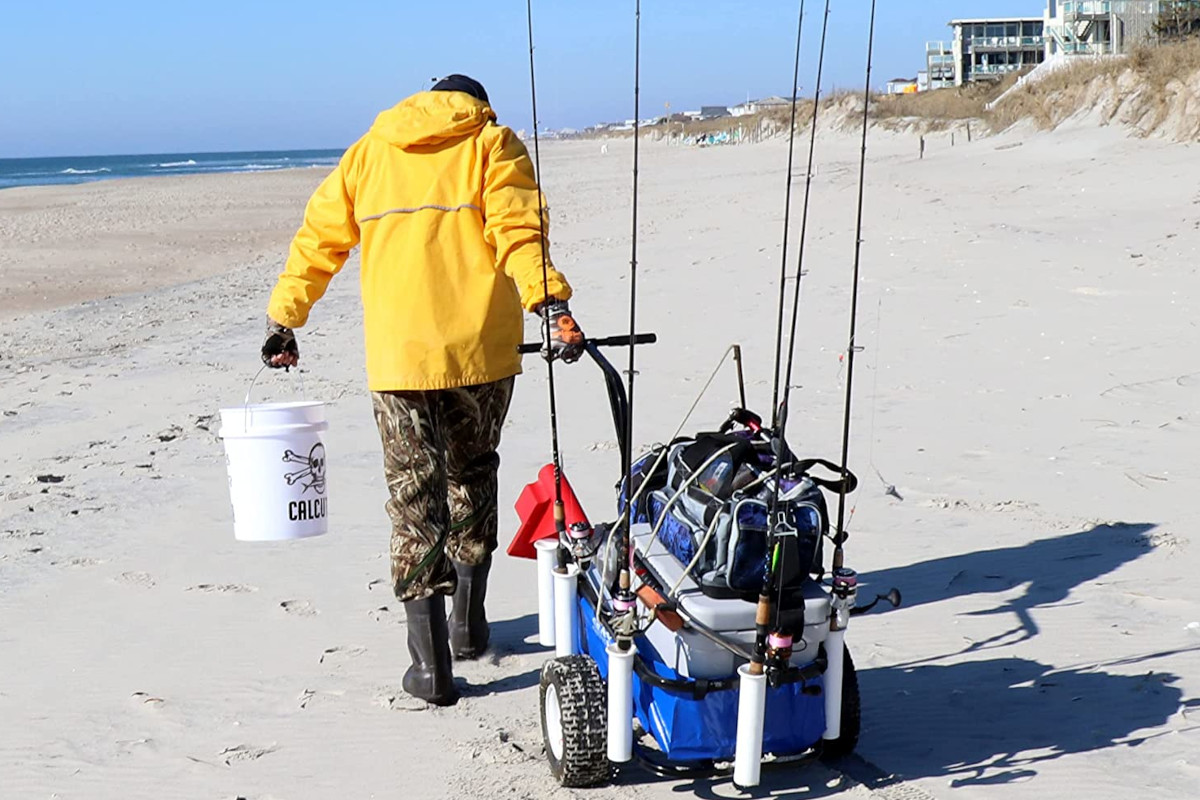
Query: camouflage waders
(440, 460)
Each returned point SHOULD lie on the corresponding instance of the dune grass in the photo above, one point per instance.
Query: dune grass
(1149, 77)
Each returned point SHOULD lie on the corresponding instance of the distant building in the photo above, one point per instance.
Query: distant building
(988, 49)
(1098, 27)
(713, 112)
(939, 64)
(755, 106)
(902, 86)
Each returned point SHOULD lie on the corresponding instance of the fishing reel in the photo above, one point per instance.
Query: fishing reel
(581, 540)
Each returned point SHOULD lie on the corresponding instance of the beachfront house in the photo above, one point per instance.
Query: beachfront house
(988, 49)
(713, 112)
(902, 86)
(1098, 27)
(755, 106)
(939, 65)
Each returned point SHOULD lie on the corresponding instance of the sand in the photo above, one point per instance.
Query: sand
(1028, 384)
(66, 244)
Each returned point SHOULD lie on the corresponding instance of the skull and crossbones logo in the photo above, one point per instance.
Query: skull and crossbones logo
(314, 470)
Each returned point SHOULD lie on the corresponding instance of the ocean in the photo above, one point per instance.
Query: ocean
(80, 169)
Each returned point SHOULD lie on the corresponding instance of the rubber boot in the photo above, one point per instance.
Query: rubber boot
(469, 631)
(430, 677)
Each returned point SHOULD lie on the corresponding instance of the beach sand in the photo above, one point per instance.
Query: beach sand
(1028, 384)
(66, 244)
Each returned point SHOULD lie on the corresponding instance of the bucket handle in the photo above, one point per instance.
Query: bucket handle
(250, 388)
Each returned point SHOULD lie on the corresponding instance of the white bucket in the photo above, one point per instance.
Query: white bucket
(277, 470)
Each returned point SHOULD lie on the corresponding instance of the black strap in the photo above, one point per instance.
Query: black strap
(850, 481)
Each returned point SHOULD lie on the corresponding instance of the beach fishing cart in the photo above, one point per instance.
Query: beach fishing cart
(706, 627)
(662, 640)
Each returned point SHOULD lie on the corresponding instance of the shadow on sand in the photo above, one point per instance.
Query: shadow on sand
(511, 637)
(515, 637)
(992, 721)
(1048, 569)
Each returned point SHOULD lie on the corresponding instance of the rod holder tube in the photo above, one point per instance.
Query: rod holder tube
(620, 703)
(835, 650)
(566, 587)
(545, 571)
(752, 705)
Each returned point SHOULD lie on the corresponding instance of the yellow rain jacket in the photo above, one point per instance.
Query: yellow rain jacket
(445, 204)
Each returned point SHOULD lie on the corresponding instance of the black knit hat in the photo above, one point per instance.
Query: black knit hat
(461, 83)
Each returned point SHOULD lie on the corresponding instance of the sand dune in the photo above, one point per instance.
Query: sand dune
(1029, 386)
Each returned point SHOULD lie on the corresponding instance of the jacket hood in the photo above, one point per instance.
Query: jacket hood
(432, 117)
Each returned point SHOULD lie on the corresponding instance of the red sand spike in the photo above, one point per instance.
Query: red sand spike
(535, 508)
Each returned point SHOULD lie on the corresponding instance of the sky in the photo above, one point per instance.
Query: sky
(87, 78)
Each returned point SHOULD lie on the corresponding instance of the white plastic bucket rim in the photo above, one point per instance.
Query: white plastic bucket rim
(270, 415)
(272, 431)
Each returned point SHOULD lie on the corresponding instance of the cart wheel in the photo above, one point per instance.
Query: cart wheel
(574, 721)
(833, 749)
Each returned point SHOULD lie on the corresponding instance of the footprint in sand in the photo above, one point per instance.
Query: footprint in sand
(170, 434)
(383, 614)
(142, 580)
(336, 654)
(244, 752)
(396, 700)
(81, 561)
(147, 700)
(314, 697)
(222, 588)
(299, 608)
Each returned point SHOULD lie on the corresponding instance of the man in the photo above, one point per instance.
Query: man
(446, 206)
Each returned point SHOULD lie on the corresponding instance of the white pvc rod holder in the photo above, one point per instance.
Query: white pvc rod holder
(752, 705)
(545, 570)
(835, 649)
(565, 615)
(620, 703)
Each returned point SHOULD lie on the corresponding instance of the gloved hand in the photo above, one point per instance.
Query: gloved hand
(280, 348)
(564, 339)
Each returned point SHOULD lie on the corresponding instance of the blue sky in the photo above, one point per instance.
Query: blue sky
(83, 78)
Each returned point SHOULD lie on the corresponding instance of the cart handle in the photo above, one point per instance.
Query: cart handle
(617, 399)
(608, 341)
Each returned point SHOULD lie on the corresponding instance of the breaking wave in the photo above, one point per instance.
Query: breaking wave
(73, 171)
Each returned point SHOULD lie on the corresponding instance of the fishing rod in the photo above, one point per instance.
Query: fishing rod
(625, 602)
(779, 526)
(787, 218)
(560, 519)
(812, 147)
(762, 617)
(840, 535)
